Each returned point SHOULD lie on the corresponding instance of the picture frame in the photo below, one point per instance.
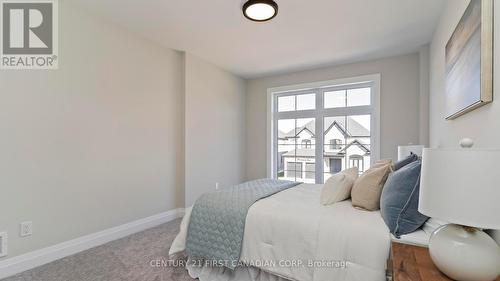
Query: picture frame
(469, 60)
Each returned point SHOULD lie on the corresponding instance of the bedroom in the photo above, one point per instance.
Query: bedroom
(148, 106)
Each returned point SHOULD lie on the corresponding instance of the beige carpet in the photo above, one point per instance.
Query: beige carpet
(126, 259)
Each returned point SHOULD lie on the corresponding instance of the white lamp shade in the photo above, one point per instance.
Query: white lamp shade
(405, 150)
(461, 186)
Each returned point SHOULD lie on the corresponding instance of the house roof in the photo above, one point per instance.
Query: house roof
(356, 142)
(301, 152)
(310, 152)
(310, 127)
(353, 128)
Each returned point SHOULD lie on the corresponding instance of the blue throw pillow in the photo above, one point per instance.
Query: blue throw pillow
(400, 164)
(399, 200)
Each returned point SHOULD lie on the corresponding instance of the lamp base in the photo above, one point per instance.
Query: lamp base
(465, 253)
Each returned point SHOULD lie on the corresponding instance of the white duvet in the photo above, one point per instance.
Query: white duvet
(290, 234)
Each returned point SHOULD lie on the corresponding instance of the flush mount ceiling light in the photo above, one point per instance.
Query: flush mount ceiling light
(260, 10)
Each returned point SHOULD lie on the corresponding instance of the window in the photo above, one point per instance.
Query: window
(293, 170)
(297, 102)
(323, 129)
(348, 98)
(335, 144)
(350, 141)
(306, 143)
(357, 161)
(310, 171)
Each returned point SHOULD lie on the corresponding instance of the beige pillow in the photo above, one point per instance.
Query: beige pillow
(338, 187)
(368, 187)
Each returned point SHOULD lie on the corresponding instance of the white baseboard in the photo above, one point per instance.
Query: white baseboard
(40, 257)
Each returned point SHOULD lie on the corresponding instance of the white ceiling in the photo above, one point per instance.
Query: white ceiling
(305, 34)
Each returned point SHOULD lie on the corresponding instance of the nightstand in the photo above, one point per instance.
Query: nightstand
(413, 263)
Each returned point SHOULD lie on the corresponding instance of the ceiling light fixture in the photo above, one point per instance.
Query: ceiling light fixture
(260, 10)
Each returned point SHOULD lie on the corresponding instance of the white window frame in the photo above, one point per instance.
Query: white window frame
(372, 80)
(306, 143)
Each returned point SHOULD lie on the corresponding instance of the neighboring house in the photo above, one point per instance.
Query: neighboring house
(346, 145)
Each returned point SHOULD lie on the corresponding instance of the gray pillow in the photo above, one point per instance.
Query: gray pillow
(399, 200)
(400, 164)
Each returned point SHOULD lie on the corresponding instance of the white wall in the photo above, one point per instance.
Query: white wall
(215, 128)
(424, 56)
(483, 124)
(400, 109)
(95, 144)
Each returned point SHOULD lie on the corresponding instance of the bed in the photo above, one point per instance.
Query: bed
(291, 236)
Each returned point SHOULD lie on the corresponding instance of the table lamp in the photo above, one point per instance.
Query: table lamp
(462, 186)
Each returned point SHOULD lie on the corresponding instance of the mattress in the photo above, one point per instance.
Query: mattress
(292, 235)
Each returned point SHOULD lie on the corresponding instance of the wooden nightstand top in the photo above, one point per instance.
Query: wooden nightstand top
(413, 263)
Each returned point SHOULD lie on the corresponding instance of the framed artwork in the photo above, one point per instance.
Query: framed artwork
(469, 60)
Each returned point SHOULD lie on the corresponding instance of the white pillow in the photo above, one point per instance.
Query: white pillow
(338, 187)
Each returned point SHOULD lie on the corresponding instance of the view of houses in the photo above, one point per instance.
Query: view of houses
(346, 145)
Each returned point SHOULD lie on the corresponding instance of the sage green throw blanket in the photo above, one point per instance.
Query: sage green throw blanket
(217, 224)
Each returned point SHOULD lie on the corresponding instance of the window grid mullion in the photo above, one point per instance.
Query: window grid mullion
(319, 137)
(318, 114)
